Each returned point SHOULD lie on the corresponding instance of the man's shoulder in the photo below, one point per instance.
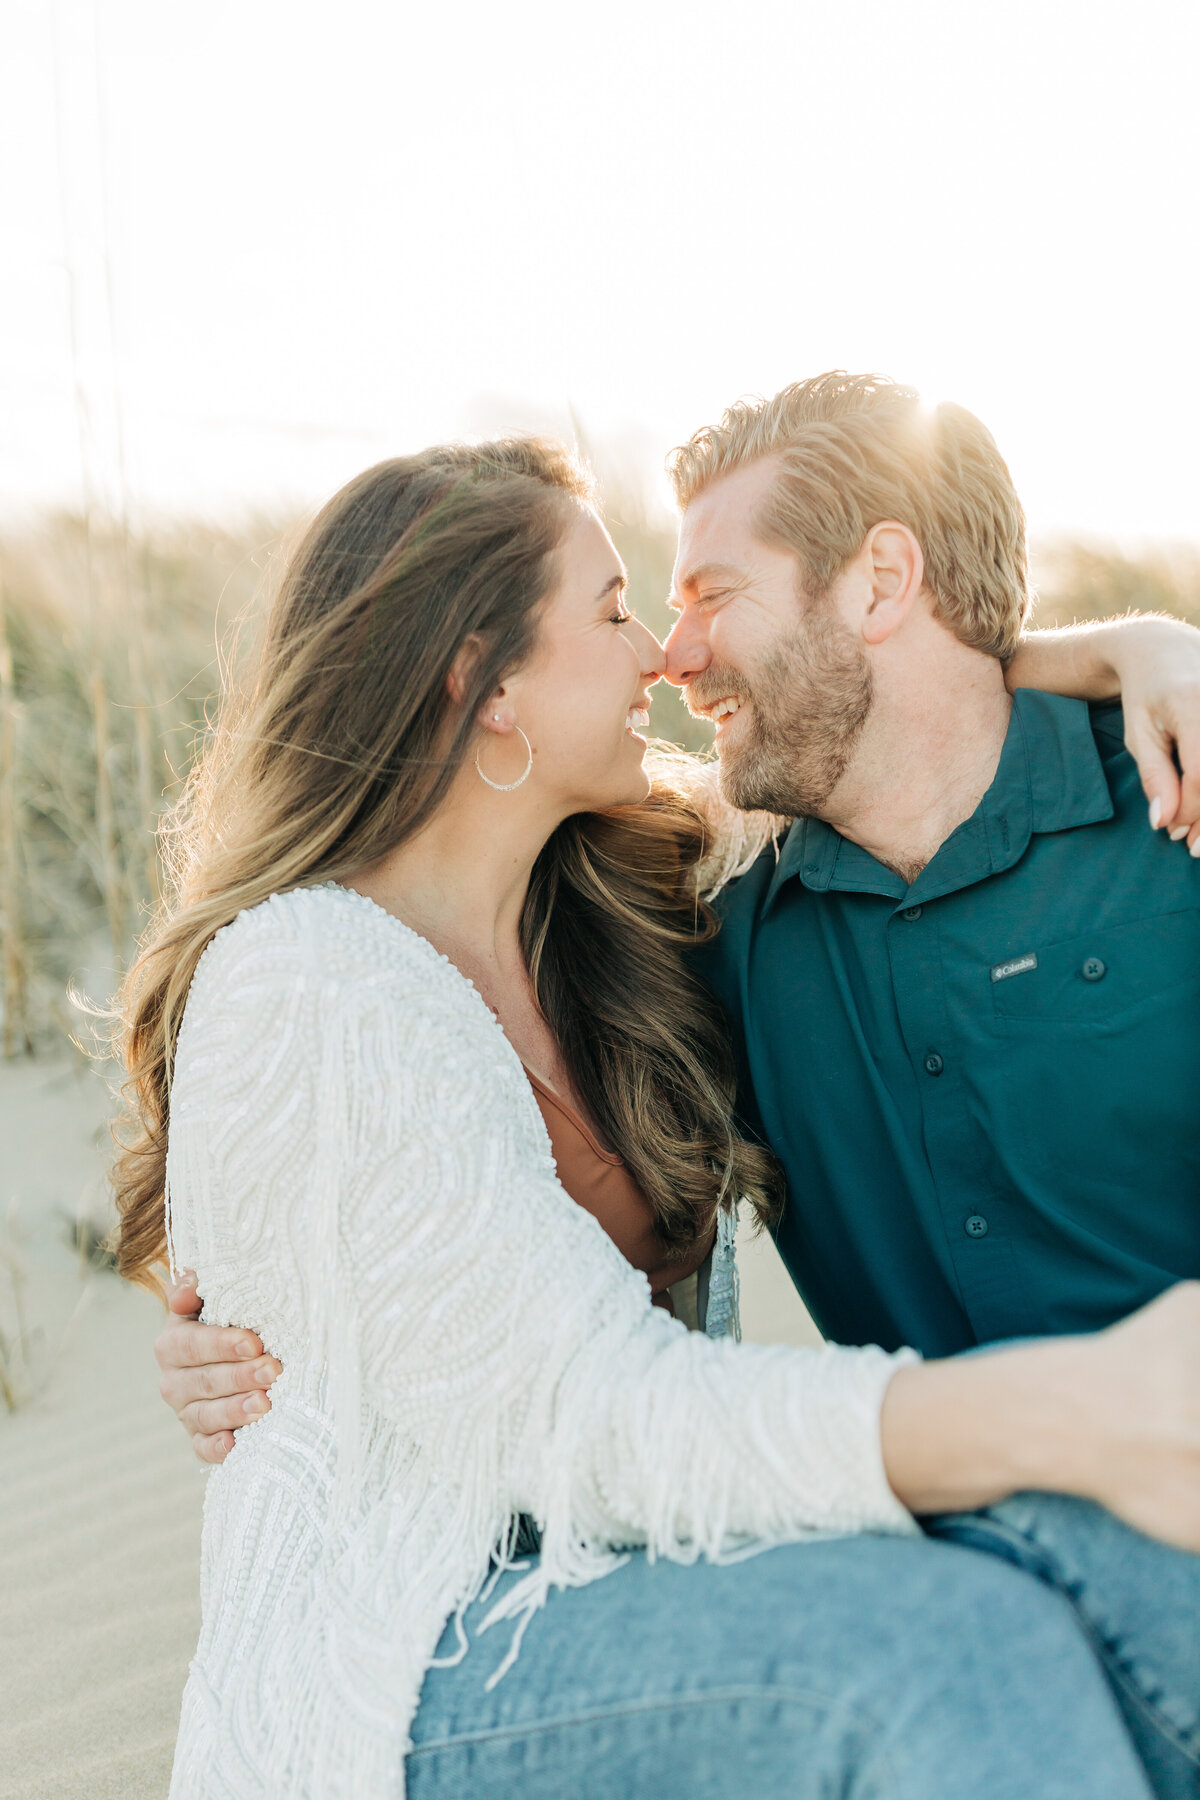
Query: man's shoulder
(1122, 849)
(744, 892)
(737, 905)
(1121, 773)
(1107, 720)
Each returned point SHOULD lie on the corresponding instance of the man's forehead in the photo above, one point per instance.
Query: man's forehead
(717, 527)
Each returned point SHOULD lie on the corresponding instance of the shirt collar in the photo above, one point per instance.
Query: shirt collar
(1049, 778)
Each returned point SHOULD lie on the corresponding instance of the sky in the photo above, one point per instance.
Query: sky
(248, 247)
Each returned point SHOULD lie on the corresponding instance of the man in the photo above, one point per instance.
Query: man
(964, 992)
(965, 989)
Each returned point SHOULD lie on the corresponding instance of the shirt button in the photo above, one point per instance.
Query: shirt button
(977, 1225)
(933, 1063)
(911, 912)
(1093, 969)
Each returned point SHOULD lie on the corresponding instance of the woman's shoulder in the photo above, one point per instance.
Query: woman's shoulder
(332, 936)
(322, 972)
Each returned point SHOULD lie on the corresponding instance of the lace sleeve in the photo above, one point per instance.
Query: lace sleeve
(377, 1201)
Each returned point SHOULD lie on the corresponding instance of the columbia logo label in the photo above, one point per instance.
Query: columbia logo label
(1018, 966)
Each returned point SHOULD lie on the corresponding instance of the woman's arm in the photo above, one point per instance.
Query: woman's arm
(1153, 664)
(372, 1180)
(1114, 1417)
(359, 1173)
(603, 1418)
(664, 1437)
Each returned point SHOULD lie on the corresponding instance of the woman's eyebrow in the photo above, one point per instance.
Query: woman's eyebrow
(617, 584)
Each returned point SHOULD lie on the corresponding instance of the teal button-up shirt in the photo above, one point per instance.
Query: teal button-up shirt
(985, 1087)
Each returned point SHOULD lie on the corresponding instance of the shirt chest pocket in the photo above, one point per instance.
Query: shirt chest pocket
(1104, 978)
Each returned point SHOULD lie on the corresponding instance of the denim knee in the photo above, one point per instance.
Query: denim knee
(1137, 1602)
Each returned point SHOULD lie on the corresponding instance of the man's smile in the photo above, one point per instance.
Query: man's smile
(717, 712)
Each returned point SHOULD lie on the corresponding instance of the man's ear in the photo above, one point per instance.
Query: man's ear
(896, 571)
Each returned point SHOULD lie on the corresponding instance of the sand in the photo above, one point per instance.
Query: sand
(100, 1497)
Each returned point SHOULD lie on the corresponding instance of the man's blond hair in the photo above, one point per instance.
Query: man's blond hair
(854, 450)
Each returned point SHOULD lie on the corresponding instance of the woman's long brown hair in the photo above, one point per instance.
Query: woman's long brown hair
(337, 753)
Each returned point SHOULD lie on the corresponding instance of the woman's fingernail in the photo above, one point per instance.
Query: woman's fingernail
(246, 1348)
(1155, 813)
(255, 1403)
(1195, 849)
(266, 1373)
(1179, 833)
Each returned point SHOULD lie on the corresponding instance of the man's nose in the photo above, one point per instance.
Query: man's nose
(687, 652)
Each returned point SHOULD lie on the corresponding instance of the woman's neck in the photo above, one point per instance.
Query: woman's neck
(461, 882)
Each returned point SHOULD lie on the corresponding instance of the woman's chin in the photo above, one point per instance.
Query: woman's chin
(625, 781)
(639, 782)
(629, 789)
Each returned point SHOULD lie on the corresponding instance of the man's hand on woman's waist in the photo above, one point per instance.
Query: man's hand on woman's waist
(213, 1378)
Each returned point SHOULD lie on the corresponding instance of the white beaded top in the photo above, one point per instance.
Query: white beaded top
(359, 1171)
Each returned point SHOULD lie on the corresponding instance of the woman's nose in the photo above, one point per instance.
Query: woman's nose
(654, 656)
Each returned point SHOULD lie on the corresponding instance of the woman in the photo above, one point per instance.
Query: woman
(407, 914)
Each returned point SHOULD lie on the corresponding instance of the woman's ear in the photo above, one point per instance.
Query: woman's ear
(496, 713)
(462, 669)
(897, 576)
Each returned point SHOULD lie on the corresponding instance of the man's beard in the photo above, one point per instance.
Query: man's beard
(810, 698)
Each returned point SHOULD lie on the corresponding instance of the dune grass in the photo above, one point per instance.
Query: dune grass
(1079, 581)
(110, 647)
(108, 661)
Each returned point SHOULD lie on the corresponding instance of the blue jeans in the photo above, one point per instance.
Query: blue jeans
(867, 1668)
(1137, 1602)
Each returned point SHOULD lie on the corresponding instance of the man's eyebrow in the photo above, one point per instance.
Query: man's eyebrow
(691, 578)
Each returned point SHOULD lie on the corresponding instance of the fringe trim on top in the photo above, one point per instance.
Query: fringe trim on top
(723, 1317)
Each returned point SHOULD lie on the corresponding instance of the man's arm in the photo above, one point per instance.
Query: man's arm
(1153, 664)
(213, 1378)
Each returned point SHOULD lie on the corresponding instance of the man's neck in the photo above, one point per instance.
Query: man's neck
(927, 756)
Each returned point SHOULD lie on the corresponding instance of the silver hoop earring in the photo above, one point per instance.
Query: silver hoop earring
(506, 787)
